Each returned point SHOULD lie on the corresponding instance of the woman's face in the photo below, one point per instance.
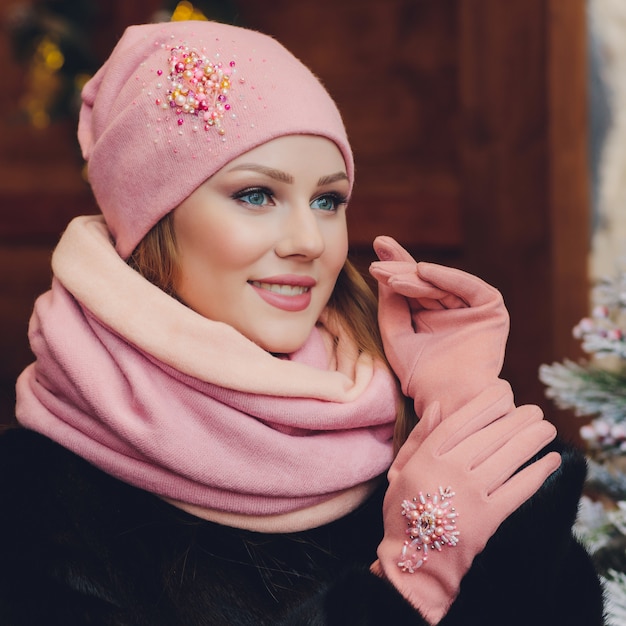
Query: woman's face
(261, 242)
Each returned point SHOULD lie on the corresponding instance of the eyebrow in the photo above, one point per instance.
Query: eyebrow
(267, 171)
(332, 178)
(284, 177)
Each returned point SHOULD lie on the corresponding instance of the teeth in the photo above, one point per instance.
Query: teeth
(283, 290)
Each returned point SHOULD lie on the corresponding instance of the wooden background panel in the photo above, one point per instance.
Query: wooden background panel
(525, 200)
(504, 154)
(392, 68)
(24, 274)
(569, 181)
(467, 118)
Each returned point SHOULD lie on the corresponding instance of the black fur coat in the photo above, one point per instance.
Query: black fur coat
(78, 547)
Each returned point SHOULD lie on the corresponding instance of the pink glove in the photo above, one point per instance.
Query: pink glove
(451, 494)
(444, 331)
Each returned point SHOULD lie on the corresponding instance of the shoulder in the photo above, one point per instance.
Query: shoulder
(81, 543)
(68, 536)
(49, 494)
(42, 481)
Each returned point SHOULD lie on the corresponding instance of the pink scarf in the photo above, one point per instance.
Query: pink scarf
(189, 409)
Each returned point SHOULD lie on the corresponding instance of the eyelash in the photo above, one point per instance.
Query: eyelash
(248, 191)
(338, 199)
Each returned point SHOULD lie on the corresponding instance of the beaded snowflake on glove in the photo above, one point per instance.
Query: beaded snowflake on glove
(431, 522)
(479, 449)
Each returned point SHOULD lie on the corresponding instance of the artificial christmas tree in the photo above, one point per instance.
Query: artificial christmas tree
(596, 388)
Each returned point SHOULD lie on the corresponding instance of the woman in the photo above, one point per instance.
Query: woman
(210, 416)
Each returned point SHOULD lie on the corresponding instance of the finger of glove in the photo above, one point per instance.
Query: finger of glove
(424, 304)
(427, 424)
(422, 294)
(524, 484)
(394, 314)
(404, 279)
(388, 249)
(402, 349)
(412, 286)
(492, 403)
(468, 287)
(383, 271)
(480, 447)
(496, 470)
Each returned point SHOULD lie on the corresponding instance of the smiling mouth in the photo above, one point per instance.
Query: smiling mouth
(283, 290)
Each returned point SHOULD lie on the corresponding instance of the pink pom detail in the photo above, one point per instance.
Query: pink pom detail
(197, 86)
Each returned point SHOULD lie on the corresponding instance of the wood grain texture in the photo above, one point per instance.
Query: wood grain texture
(468, 123)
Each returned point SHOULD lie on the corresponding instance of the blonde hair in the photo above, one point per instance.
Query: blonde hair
(156, 259)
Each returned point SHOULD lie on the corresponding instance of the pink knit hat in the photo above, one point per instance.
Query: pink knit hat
(175, 102)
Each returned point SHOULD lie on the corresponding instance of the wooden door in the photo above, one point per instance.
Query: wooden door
(468, 123)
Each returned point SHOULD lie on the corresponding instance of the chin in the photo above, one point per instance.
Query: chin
(282, 335)
(281, 348)
(282, 344)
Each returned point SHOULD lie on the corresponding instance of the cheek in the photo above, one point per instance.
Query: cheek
(336, 251)
(219, 243)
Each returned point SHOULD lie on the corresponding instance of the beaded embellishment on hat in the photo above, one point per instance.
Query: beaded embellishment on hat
(197, 87)
(431, 526)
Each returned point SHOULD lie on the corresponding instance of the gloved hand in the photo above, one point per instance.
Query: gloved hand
(447, 498)
(444, 331)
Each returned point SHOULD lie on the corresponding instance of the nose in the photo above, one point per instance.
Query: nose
(300, 235)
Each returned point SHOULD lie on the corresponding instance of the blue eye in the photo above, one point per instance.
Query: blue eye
(254, 197)
(328, 202)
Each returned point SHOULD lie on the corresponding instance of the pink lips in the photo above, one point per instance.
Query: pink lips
(286, 292)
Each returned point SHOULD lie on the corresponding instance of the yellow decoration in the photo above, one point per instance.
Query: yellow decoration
(43, 82)
(50, 55)
(186, 11)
